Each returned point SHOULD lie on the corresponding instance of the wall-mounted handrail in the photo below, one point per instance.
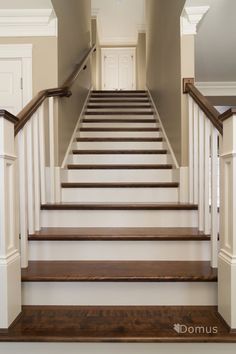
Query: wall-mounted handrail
(63, 91)
(206, 106)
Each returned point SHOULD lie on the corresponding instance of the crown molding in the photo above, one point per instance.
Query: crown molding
(191, 17)
(27, 23)
(119, 41)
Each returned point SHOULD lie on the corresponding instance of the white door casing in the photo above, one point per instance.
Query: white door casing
(118, 68)
(15, 76)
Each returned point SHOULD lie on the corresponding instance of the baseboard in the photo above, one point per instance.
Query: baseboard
(174, 160)
(76, 128)
(217, 88)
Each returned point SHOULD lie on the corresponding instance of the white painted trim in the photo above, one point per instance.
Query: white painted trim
(27, 22)
(119, 41)
(191, 17)
(164, 132)
(133, 49)
(217, 88)
(24, 53)
(64, 163)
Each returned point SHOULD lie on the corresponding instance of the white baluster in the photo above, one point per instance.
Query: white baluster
(23, 196)
(190, 105)
(30, 177)
(42, 154)
(195, 153)
(52, 150)
(214, 194)
(201, 170)
(207, 177)
(36, 172)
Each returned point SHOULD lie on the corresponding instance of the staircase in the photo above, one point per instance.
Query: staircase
(120, 256)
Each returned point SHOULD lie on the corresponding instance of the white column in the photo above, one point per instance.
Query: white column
(227, 255)
(10, 272)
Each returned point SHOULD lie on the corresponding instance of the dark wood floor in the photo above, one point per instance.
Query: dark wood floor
(120, 233)
(117, 324)
(119, 271)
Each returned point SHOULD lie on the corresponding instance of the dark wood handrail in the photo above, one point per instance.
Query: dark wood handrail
(8, 116)
(229, 113)
(63, 91)
(205, 105)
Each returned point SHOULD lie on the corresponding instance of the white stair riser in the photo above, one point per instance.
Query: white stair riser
(119, 218)
(118, 294)
(119, 125)
(119, 250)
(119, 195)
(113, 134)
(119, 159)
(120, 145)
(119, 116)
(118, 348)
(120, 104)
(117, 176)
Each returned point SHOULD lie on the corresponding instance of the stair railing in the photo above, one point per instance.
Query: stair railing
(205, 141)
(35, 147)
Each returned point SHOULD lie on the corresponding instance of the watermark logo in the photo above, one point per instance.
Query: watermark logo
(183, 329)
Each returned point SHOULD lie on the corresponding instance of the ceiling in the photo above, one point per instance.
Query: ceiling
(119, 21)
(25, 4)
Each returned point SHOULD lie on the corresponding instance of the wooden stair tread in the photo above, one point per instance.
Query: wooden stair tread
(82, 129)
(120, 167)
(120, 95)
(120, 152)
(119, 100)
(120, 139)
(119, 113)
(118, 271)
(115, 91)
(91, 106)
(120, 185)
(119, 206)
(126, 234)
(124, 324)
(86, 120)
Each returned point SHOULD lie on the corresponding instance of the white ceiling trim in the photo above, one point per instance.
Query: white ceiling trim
(191, 17)
(27, 23)
(119, 41)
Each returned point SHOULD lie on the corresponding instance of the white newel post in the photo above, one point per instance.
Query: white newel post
(227, 255)
(10, 268)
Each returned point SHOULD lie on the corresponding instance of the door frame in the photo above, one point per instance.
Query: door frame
(103, 53)
(21, 52)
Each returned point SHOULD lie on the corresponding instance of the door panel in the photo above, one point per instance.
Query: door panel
(10, 85)
(118, 69)
(111, 80)
(126, 72)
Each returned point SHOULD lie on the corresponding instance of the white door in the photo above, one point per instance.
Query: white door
(10, 85)
(118, 69)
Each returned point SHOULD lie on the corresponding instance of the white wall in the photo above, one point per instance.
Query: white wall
(216, 41)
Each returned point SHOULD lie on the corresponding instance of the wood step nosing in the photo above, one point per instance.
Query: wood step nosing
(120, 152)
(119, 167)
(71, 185)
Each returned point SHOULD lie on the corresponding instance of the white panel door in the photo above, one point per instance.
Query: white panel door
(111, 72)
(126, 79)
(10, 85)
(118, 69)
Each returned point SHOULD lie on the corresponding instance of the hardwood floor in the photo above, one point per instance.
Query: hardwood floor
(116, 233)
(119, 271)
(118, 324)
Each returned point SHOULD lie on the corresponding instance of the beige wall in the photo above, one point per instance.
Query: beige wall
(141, 61)
(45, 71)
(74, 39)
(164, 65)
